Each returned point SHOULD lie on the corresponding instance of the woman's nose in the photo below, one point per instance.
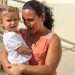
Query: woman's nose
(27, 23)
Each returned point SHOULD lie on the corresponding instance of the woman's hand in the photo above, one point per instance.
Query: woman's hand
(12, 69)
(6, 67)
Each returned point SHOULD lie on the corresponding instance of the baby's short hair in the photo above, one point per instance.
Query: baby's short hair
(8, 9)
(1, 10)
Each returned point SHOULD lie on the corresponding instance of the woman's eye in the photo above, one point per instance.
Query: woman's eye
(30, 20)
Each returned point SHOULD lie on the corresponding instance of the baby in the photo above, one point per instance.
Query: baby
(18, 51)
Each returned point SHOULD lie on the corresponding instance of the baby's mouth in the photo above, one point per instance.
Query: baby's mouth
(12, 26)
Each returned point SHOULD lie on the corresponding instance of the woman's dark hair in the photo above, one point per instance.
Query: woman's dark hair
(39, 9)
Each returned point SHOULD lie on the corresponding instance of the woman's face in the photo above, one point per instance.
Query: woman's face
(33, 22)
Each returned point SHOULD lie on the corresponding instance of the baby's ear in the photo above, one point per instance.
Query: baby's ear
(0, 20)
(1, 29)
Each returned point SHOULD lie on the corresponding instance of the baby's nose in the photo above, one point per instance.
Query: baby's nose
(12, 22)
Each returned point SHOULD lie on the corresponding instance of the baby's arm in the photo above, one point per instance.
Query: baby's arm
(24, 50)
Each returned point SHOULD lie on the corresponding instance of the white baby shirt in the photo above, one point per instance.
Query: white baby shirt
(12, 41)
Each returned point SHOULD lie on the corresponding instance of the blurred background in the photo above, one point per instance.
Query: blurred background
(64, 26)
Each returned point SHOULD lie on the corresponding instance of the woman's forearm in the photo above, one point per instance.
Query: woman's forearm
(3, 57)
(37, 70)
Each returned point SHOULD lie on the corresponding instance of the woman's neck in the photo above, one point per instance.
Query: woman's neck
(41, 32)
(35, 37)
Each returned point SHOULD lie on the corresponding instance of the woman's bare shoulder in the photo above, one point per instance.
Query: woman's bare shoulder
(54, 51)
(55, 36)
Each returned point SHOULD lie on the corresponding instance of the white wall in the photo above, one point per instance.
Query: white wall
(64, 15)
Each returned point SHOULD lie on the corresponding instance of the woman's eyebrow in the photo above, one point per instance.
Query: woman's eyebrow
(28, 19)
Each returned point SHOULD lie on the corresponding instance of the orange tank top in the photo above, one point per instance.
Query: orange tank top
(40, 50)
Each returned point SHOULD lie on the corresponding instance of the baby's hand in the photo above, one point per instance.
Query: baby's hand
(27, 51)
(24, 50)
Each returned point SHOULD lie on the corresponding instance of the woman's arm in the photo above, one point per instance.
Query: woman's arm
(6, 65)
(4, 60)
(51, 62)
(3, 56)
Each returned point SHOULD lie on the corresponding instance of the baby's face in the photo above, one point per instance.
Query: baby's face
(10, 21)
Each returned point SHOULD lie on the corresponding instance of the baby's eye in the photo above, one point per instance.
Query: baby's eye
(9, 20)
(15, 19)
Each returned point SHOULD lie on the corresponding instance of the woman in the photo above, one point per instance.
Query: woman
(45, 44)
